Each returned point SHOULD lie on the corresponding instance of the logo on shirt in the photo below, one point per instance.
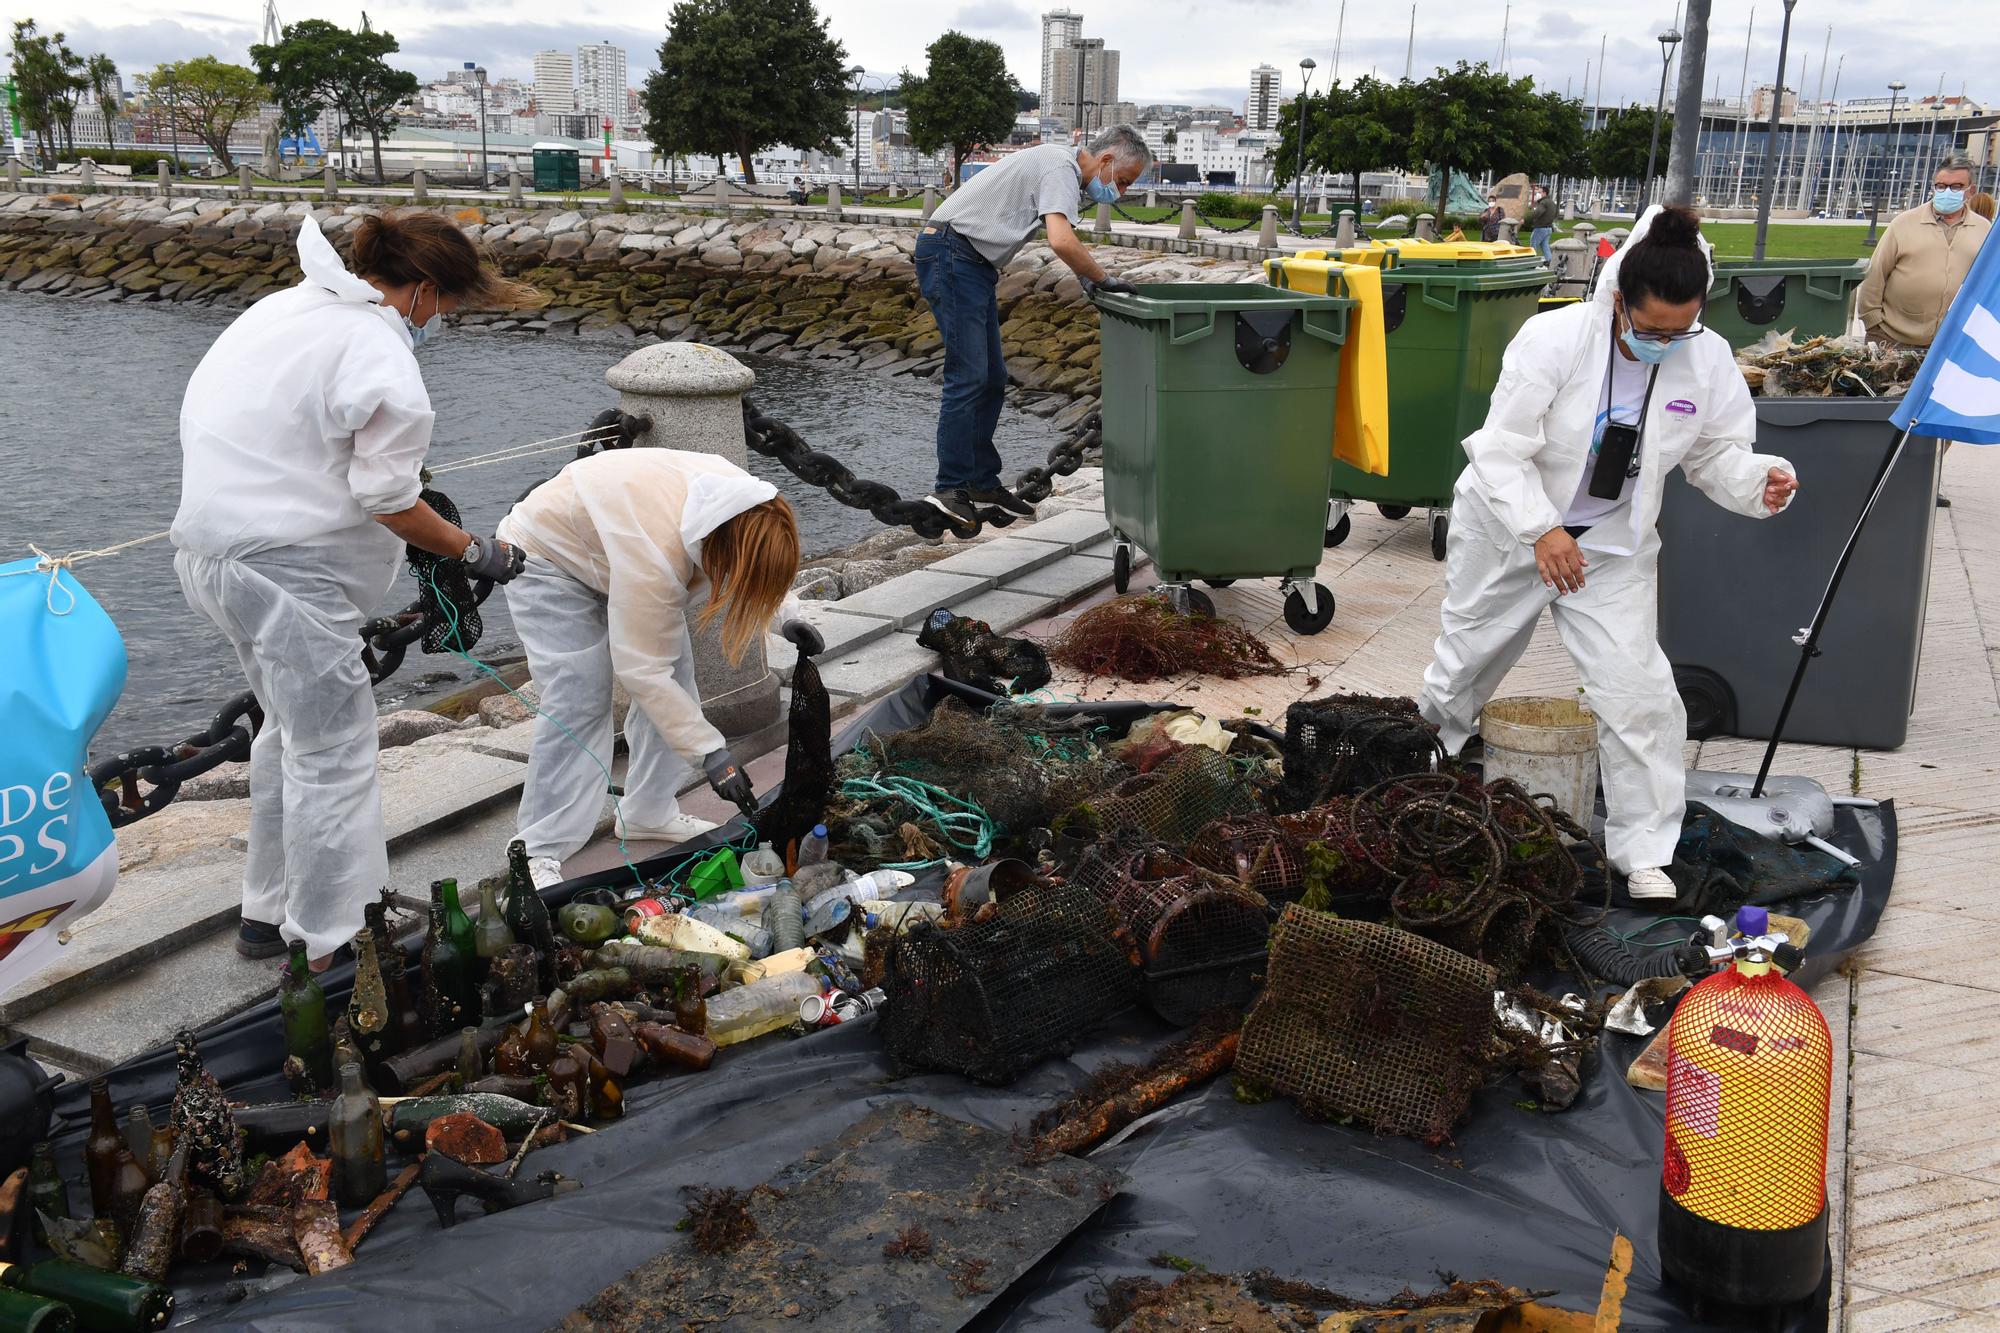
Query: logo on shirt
(1682, 406)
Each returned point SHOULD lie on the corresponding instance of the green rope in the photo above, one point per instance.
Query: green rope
(963, 824)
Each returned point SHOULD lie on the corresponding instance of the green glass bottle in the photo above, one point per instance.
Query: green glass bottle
(458, 923)
(302, 1010)
(47, 1194)
(354, 1133)
(450, 996)
(490, 931)
(102, 1302)
(528, 915)
(22, 1313)
(471, 1065)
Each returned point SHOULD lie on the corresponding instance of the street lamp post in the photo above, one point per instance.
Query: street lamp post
(1306, 67)
(479, 78)
(856, 74)
(1668, 40)
(1770, 172)
(1896, 87)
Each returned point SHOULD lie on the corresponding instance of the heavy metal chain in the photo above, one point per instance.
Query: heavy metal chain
(774, 439)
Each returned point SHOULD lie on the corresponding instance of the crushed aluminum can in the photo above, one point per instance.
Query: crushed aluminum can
(839, 1007)
(639, 911)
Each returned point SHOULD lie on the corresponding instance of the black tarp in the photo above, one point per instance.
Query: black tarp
(1529, 1198)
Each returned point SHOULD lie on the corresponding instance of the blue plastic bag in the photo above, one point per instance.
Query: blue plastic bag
(58, 857)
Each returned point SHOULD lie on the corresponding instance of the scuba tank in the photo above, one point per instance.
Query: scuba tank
(1743, 1214)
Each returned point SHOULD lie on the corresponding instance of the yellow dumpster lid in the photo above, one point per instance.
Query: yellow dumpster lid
(1456, 251)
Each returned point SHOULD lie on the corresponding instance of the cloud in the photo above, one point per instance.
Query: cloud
(508, 49)
(993, 15)
(138, 47)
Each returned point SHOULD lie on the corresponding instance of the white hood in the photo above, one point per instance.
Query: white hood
(716, 497)
(1607, 277)
(322, 267)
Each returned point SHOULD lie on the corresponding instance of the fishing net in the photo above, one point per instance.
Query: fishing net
(1185, 793)
(1344, 743)
(1201, 938)
(1144, 638)
(1480, 867)
(1370, 1022)
(974, 655)
(991, 998)
(802, 801)
(451, 612)
(1254, 853)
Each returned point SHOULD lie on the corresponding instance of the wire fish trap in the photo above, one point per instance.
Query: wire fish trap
(1333, 850)
(1202, 939)
(1254, 853)
(1345, 743)
(1369, 1022)
(1189, 790)
(991, 999)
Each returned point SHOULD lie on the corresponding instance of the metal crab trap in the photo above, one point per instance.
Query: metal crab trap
(1183, 794)
(1252, 852)
(1369, 1022)
(1346, 743)
(992, 998)
(1202, 939)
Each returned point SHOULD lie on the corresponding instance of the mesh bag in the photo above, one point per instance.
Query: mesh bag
(451, 612)
(1252, 852)
(1185, 793)
(1371, 1022)
(802, 801)
(991, 999)
(1201, 938)
(1344, 743)
(974, 655)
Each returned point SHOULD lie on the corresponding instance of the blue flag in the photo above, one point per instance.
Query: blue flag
(1956, 395)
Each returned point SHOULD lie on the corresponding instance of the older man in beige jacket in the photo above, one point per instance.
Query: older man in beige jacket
(1921, 260)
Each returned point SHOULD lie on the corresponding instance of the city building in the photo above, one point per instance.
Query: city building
(600, 80)
(1760, 102)
(1083, 71)
(1119, 113)
(555, 82)
(1261, 111)
(1060, 27)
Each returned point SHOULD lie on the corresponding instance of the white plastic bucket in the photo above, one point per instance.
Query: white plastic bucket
(1548, 746)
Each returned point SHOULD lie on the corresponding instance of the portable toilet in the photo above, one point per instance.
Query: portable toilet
(556, 167)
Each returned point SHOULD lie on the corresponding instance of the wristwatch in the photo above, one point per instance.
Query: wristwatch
(470, 555)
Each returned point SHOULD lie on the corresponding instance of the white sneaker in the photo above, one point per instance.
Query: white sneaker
(678, 829)
(1651, 884)
(545, 871)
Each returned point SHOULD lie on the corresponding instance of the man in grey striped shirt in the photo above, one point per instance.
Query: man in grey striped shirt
(968, 240)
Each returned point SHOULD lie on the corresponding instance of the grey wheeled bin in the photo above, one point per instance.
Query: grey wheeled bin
(1734, 590)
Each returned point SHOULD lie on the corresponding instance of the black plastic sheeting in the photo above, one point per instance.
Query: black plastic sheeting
(1531, 1199)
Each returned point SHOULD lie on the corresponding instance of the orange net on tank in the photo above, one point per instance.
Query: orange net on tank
(1749, 1074)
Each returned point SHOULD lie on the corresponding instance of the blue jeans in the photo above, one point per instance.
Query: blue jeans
(958, 284)
(1539, 238)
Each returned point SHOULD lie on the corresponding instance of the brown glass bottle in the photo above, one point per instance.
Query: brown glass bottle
(406, 1024)
(101, 1149)
(129, 1183)
(530, 1046)
(354, 1133)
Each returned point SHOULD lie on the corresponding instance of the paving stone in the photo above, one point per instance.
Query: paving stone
(1076, 528)
(1067, 577)
(908, 598)
(1002, 558)
(876, 668)
(505, 742)
(1005, 610)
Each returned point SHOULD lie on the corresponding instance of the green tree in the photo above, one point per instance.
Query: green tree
(100, 77)
(1562, 144)
(737, 76)
(1618, 149)
(1472, 119)
(965, 98)
(316, 64)
(48, 80)
(217, 97)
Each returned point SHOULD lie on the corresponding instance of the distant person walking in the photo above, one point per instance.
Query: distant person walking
(972, 236)
(1542, 223)
(1921, 261)
(1491, 218)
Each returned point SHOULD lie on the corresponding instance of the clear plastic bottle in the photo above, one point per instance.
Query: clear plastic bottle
(760, 1007)
(733, 924)
(812, 847)
(783, 918)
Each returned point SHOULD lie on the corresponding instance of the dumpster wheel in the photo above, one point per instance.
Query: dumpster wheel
(1393, 511)
(1218, 583)
(1121, 568)
(1308, 618)
(1440, 532)
(1337, 534)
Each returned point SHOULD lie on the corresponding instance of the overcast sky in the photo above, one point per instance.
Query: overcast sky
(1173, 50)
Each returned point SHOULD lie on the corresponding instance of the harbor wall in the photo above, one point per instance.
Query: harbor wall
(772, 284)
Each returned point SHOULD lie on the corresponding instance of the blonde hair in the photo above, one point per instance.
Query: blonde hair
(1982, 204)
(750, 562)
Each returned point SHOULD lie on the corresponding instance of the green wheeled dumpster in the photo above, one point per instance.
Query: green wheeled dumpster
(556, 168)
(1753, 297)
(1449, 311)
(1218, 404)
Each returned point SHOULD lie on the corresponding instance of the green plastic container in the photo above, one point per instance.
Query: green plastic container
(1449, 322)
(1218, 422)
(1752, 297)
(556, 168)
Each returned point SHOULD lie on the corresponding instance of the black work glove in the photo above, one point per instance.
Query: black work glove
(729, 780)
(1110, 283)
(496, 560)
(804, 637)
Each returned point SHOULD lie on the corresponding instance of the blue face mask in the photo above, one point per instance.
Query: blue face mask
(1104, 192)
(424, 332)
(1651, 353)
(1947, 202)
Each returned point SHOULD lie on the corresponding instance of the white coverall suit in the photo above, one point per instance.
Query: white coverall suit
(305, 420)
(1523, 468)
(612, 581)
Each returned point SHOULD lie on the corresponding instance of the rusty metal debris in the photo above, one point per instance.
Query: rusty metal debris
(1119, 1094)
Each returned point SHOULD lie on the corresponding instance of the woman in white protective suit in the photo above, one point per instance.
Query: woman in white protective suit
(303, 434)
(1556, 508)
(624, 549)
